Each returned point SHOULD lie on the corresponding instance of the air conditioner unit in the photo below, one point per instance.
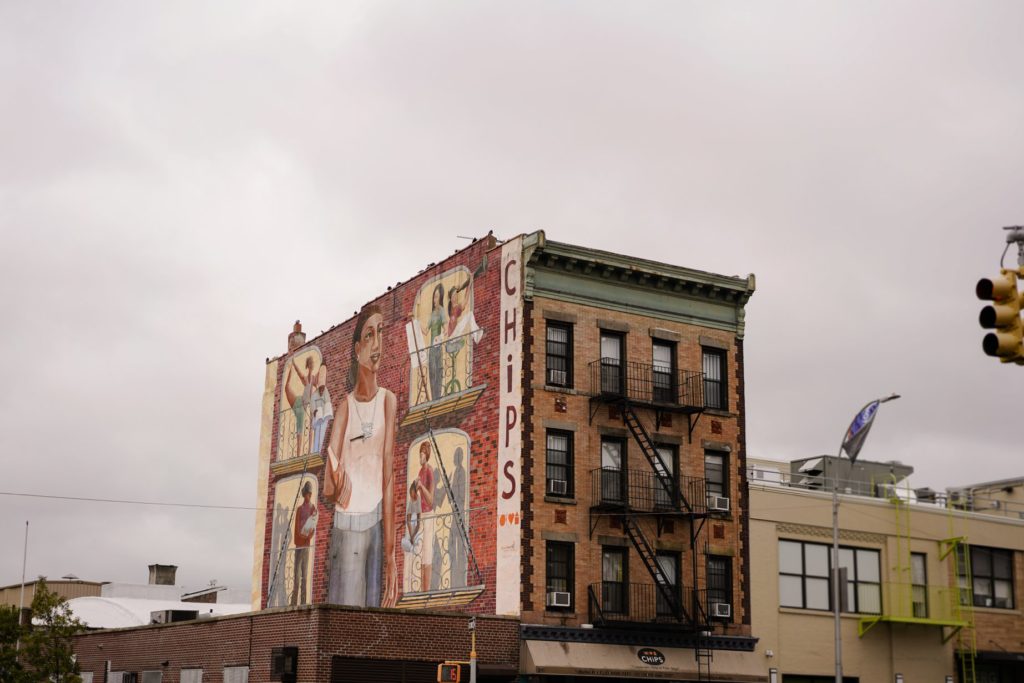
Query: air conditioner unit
(559, 599)
(557, 377)
(721, 610)
(718, 503)
(559, 487)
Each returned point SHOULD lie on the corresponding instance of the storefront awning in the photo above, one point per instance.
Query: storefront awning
(559, 658)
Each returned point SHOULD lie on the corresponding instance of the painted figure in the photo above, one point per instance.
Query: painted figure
(323, 411)
(425, 484)
(305, 525)
(359, 476)
(299, 396)
(456, 542)
(435, 328)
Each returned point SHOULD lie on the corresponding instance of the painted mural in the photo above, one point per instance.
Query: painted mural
(393, 417)
(293, 533)
(435, 543)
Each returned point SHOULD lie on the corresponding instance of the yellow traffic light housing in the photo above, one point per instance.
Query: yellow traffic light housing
(1003, 316)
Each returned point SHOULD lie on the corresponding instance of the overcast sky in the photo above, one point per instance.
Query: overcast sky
(180, 181)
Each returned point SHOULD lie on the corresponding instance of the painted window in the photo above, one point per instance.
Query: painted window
(559, 571)
(559, 464)
(559, 354)
(804, 570)
(716, 394)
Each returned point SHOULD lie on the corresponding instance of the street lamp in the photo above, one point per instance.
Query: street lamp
(852, 442)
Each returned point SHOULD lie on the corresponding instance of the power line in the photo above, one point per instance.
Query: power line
(127, 502)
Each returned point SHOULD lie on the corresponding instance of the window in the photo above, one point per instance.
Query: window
(918, 586)
(719, 580)
(663, 371)
(613, 460)
(716, 393)
(716, 480)
(151, 676)
(614, 581)
(236, 674)
(86, 676)
(992, 577)
(191, 676)
(669, 564)
(664, 480)
(804, 570)
(612, 375)
(559, 469)
(560, 578)
(559, 354)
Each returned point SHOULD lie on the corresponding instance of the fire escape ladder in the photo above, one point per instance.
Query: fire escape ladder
(704, 656)
(647, 447)
(650, 560)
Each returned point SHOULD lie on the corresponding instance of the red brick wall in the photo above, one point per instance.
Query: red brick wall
(319, 632)
(480, 422)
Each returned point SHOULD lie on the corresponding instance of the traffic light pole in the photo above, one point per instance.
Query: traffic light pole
(1006, 341)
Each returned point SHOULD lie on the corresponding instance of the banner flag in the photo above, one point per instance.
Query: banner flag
(858, 430)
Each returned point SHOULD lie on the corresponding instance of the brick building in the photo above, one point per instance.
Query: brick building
(545, 436)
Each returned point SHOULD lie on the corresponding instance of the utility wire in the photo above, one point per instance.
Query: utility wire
(127, 502)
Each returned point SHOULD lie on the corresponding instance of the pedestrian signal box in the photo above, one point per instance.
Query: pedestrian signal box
(448, 673)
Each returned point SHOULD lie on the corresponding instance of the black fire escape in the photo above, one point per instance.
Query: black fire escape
(656, 492)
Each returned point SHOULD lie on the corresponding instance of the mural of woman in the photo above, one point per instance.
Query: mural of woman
(299, 397)
(359, 477)
(435, 328)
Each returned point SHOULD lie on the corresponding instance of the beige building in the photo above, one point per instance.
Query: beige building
(933, 592)
(67, 588)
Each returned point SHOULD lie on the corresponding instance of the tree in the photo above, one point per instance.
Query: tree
(46, 648)
(10, 632)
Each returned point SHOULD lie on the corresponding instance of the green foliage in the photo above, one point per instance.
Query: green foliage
(46, 649)
(10, 632)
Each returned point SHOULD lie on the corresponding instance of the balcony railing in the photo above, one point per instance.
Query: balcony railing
(615, 603)
(301, 431)
(647, 383)
(646, 491)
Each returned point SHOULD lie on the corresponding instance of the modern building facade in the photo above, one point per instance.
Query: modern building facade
(932, 591)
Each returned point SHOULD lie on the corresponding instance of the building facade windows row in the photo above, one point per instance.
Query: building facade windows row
(614, 590)
(663, 377)
(805, 568)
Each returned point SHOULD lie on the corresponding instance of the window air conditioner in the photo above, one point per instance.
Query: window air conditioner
(557, 377)
(559, 599)
(559, 487)
(721, 610)
(718, 504)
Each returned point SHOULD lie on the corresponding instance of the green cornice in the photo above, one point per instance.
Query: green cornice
(616, 282)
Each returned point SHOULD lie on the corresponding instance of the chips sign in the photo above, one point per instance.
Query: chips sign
(648, 655)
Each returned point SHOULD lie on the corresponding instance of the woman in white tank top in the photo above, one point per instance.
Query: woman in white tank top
(359, 478)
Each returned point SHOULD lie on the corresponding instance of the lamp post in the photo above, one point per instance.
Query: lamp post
(852, 442)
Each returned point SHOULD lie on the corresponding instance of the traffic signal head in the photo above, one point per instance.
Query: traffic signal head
(1003, 316)
(448, 673)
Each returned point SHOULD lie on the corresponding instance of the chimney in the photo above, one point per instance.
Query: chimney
(162, 574)
(297, 338)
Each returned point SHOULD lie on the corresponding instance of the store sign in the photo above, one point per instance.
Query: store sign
(648, 655)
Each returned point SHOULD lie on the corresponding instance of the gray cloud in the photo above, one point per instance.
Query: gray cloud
(178, 184)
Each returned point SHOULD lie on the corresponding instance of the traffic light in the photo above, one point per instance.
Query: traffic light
(448, 673)
(1003, 316)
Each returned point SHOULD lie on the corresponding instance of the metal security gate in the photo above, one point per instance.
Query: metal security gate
(361, 670)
